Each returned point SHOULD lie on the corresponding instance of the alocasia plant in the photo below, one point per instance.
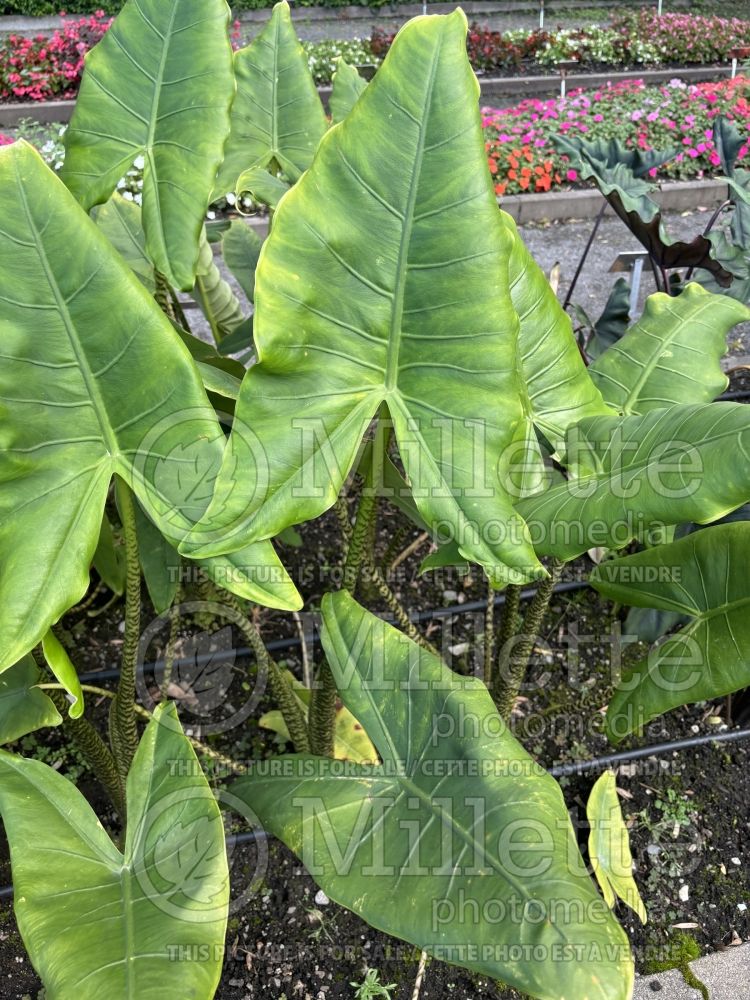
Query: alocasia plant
(390, 292)
(443, 823)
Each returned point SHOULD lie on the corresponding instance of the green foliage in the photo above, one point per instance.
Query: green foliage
(390, 290)
(701, 576)
(403, 695)
(168, 888)
(147, 79)
(609, 847)
(277, 118)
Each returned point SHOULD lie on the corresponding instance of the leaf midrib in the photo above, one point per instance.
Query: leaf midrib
(397, 303)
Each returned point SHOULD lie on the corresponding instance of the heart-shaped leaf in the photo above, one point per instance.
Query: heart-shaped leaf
(672, 354)
(703, 576)
(23, 707)
(86, 401)
(101, 923)
(158, 85)
(664, 467)
(380, 283)
(458, 825)
(277, 115)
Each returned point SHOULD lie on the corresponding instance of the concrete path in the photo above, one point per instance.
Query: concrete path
(725, 973)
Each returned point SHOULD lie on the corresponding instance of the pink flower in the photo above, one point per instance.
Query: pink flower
(572, 175)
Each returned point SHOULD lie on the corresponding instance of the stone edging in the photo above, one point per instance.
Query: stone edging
(557, 206)
(491, 87)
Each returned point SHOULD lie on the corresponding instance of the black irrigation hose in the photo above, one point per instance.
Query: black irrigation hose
(740, 394)
(113, 673)
(656, 750)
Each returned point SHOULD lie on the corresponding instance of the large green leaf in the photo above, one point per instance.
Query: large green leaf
(703, 576)
(120, 221)
(142, 925)
(23, 707)
(158, 85)
(347, 86)
(385, 279)
(277, 115)
(683, 463)
(558, 390)
(241, 246)
(672, 354)
(458, 825)
(609, 846)
(109, 388)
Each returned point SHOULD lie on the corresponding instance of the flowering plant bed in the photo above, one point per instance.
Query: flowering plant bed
(49, 67)
(523, 158)
(631, 40)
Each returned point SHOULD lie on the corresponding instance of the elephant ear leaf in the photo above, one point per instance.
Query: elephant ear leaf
(85, 402)
(672, 354)
(703, 576)
(23, 707)
(168, 891)
(264, 187)
(347, 86)
(444, 825)
(277, 116)
(159, 85)
(557, 388)
(379, 285)
(609, 846)
(641, 472)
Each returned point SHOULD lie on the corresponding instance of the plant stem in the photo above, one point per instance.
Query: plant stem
(163, 295)
(514, 657)
(281, 690)
(409, 550)
(399, 613)
(93, 748)
(123, 728)
(489, 635)
(144, 714)
(169, 652)
(322, 719)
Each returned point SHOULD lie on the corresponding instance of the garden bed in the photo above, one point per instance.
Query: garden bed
(49, 66)
(288, 940)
